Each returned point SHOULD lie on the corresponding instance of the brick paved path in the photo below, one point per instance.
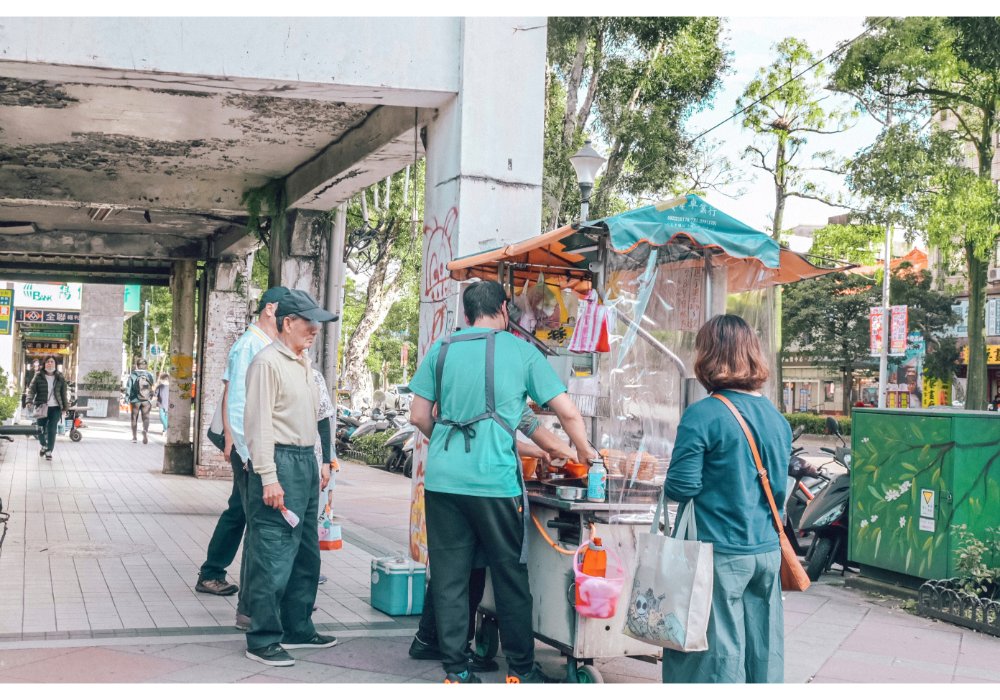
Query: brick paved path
(97, 575)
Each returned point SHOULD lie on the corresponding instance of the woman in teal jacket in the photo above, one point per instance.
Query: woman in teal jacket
(712, 466)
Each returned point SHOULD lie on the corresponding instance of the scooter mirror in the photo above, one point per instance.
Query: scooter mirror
(797, 433)
(832, 426)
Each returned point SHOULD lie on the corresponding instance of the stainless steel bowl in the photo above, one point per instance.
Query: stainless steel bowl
(571, 493)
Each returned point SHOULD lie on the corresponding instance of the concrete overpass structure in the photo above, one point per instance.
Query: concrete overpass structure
(127, 146)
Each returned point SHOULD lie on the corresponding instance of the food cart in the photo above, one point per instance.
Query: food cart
(660, 272)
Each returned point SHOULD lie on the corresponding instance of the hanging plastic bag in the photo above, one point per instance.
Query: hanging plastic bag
(329, 532)
(591, 332)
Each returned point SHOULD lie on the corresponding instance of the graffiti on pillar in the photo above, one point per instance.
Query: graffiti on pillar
(436, 287)
(182, 373)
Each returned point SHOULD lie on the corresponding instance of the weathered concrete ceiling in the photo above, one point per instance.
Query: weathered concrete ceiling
(97, 165)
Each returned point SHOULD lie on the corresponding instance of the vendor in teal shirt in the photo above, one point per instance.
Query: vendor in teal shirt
(472, 488)
(712, 469)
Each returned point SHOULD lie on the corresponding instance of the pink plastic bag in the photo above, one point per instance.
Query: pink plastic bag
(599, 594)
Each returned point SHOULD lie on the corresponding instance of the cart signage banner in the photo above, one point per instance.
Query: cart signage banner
(898, 322)
(6, 310)
(43, 316)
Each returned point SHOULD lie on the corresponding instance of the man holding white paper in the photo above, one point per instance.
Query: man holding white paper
(284, 486)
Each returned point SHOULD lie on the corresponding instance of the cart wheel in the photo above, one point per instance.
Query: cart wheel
(487, 637)
(75, 435)
(588, 674)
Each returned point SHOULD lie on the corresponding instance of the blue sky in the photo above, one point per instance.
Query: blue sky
(751, 41)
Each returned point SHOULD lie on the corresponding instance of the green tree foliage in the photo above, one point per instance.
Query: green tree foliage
(160, 323)
(401, 326)
(784, 112)
(827, 318)
(384, 241)
(946, 68)
(631, 81)
(849, 243)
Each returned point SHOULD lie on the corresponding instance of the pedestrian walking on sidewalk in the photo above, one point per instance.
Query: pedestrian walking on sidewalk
(139, 391)
(163, 399)
(232, 523)
(284, 486)
(48, 394)
(713, 467)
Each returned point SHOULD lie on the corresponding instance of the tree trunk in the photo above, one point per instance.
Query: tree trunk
(383, 292)
(976, 389)
(775, 299)
(848, 390)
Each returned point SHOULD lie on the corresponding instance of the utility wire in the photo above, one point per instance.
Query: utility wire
(793, 78)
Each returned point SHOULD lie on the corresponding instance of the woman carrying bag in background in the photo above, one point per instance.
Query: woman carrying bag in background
(48, 394)
(713, 466)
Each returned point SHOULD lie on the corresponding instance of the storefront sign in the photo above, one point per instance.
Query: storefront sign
(46, 348)
(133, 304)
(48, 296)
(936, 393)
(898, 321)
(6, 309)
(992, 355)
(43, 316)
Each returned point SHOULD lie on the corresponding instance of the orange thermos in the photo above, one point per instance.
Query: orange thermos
(594, 562)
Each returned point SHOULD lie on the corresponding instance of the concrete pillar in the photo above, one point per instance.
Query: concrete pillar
(227, 313)
(102, 316)
(484, 178)
(178, 456)
(334, 295)
(302, 261)
(303, 254)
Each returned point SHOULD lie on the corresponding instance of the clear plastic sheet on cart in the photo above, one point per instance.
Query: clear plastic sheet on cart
(658, 297)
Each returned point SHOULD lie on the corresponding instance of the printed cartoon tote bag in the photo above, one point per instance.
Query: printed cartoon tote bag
(672, 589)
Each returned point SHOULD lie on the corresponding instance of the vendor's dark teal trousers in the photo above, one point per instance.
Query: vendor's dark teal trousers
(284, 569)
(746, 630)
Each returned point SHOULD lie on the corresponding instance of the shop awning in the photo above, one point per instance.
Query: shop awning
(752, 258)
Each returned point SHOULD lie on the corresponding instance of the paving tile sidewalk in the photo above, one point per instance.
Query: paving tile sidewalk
(97, 575)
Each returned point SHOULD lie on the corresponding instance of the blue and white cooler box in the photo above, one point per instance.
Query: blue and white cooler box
(398, 585)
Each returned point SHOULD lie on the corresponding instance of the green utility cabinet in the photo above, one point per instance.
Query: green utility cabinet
(915, 475)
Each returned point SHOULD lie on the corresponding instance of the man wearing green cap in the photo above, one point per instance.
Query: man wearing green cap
(281, 434)
(229, 530)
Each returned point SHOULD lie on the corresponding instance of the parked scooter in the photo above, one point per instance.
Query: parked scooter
(347, 423)
(826, 515)
(400, 447)
(379, 423)
(804, 483)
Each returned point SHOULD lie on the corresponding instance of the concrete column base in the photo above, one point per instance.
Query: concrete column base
(178, 459)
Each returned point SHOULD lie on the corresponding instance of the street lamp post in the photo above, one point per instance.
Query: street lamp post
(586, 162)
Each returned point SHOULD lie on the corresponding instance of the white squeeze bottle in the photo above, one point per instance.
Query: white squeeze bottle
(597, 481)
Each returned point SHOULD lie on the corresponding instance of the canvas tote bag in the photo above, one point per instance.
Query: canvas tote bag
(671, 596)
